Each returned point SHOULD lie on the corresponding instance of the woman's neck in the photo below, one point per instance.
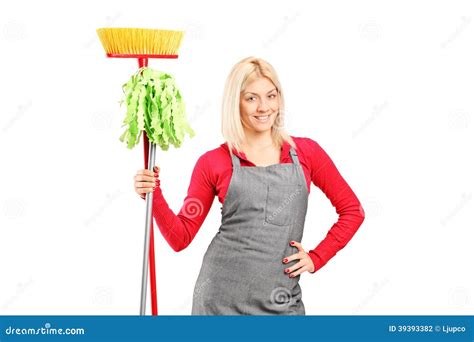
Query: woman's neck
(258, 140)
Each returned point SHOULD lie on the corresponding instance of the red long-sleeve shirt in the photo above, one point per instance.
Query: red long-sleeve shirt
(211, 177)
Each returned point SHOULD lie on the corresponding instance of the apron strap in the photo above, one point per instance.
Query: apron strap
(235, 161)
(294, 156)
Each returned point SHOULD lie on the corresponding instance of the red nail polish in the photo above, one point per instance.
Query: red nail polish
(292, 243)
(292, 276)
(285, 260)
(287, 270)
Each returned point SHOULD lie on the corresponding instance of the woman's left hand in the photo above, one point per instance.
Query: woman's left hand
(304, 264)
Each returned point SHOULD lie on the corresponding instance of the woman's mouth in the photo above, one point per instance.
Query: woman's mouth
(262, 118)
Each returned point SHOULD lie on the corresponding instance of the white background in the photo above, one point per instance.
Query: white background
(386, 88)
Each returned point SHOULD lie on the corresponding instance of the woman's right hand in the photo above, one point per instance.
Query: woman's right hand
(146, 181)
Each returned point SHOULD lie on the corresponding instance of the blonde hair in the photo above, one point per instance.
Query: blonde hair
(243, 73)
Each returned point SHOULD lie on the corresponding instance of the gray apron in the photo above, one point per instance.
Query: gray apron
(242, 271)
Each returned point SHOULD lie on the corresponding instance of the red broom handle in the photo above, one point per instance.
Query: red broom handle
(154, 305)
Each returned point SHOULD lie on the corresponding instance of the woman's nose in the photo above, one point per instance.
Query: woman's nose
(263, 106)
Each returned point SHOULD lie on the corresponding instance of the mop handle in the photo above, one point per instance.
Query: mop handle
(149, 202)
(154, 304)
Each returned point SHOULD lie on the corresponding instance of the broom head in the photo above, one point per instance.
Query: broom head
(139, 42)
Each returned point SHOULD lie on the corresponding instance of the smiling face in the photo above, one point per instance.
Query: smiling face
(259, 105)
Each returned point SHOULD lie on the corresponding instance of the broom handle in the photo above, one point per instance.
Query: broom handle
(147, 147)
(148, 247)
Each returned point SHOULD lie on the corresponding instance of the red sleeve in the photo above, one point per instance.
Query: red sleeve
(179, 230)
(325, 176)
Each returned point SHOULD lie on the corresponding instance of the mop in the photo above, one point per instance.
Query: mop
(155, 107)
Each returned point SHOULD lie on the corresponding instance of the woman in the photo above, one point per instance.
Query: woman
(255, 260)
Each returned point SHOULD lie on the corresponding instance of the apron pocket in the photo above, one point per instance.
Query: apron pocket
(282, 201)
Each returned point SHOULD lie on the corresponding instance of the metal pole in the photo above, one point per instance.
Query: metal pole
(146, 249)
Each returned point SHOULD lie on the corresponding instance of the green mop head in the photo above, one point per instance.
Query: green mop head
(154, 105)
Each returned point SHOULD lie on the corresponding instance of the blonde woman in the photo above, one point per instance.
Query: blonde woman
(262, 176)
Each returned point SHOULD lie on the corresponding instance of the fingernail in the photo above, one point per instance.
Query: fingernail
(292, 243)
(287, 270)
(292, 276)
(285, 260)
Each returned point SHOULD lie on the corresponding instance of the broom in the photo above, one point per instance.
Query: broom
(143, 44)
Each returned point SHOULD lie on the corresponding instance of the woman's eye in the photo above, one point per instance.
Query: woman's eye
(250, 98)
(272, 96)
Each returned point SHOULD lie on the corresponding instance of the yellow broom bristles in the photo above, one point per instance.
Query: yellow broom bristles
(140, 41)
